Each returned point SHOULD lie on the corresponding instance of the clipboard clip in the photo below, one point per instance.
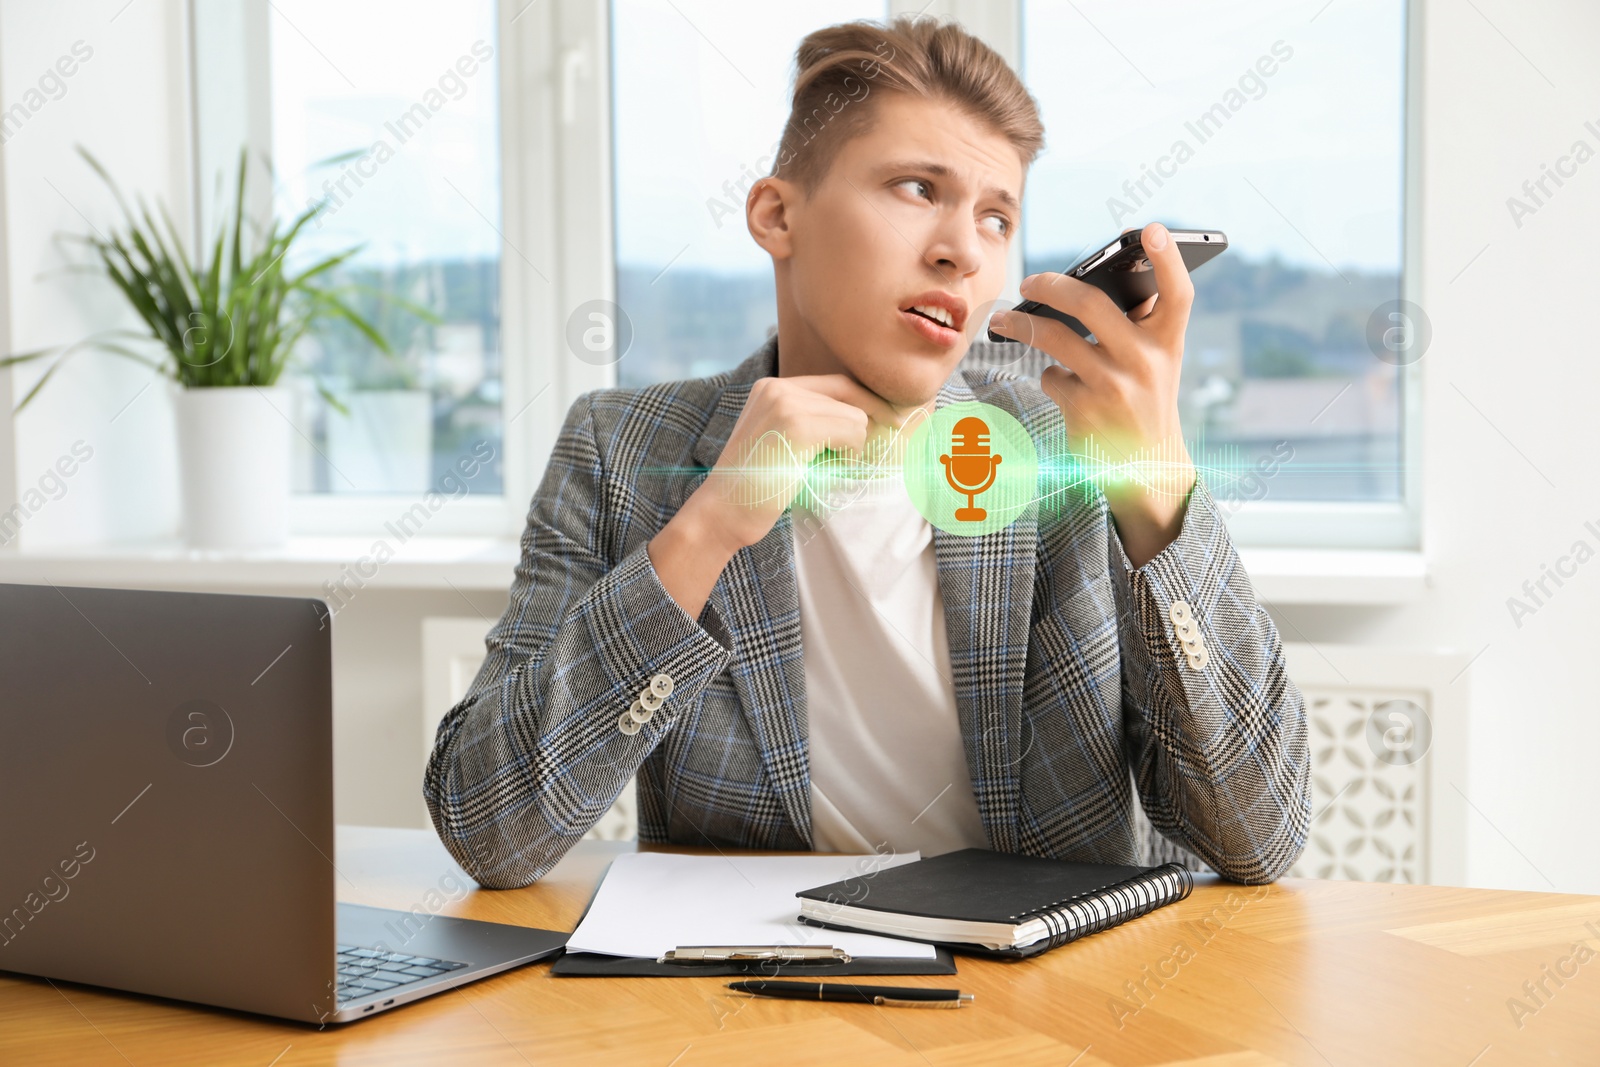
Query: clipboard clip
(730, 953)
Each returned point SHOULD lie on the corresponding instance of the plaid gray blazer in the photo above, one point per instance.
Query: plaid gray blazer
(1074, 694)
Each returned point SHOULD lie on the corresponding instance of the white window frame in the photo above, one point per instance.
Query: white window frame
(1291, 524)
(555, 219)
(8, 421)
(559, 251)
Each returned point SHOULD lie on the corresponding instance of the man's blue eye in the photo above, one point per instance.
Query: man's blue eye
(1002, 225)
(921, 189)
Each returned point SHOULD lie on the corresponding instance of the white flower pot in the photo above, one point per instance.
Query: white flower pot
(385, 444)
(233, 449)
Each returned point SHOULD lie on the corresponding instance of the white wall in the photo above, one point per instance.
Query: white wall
(1511, 335)
(8, 444)
(127, 105)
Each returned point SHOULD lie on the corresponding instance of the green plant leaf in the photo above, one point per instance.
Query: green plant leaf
(340, 309)
(341, 157)
(323, 266)
(26, 357)
(38, 385)
(238, 208)
(128, 353)
(333, 401)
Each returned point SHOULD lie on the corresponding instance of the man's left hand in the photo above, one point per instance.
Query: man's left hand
(1123, 390)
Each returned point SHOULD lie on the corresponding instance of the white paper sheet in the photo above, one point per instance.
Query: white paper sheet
(652, 902)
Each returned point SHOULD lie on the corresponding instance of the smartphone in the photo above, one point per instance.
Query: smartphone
(1123, 272)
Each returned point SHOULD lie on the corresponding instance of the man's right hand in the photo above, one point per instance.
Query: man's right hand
(785, 423)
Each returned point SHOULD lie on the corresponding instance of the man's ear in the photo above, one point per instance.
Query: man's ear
(767, 214)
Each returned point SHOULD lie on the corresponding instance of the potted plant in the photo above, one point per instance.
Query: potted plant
(226, 328)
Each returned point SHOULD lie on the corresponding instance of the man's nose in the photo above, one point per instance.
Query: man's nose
(955, 250)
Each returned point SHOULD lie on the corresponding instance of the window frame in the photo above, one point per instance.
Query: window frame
(558, 198)
(554, 89)
(1305, 524)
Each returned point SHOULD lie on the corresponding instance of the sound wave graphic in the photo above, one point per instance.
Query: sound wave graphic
(837, 476)
(773, 470)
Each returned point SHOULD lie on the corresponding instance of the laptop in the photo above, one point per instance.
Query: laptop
(166, 786)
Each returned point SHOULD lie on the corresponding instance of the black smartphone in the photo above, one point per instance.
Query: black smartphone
(1123, 272)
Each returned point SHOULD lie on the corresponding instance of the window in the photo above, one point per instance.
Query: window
(1296, 122)
(700, 95)
(1284, 126)
(637, 127)
(389, 112)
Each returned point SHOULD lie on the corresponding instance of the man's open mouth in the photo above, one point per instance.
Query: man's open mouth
(938, 308)
(937, 314)
(934, 323)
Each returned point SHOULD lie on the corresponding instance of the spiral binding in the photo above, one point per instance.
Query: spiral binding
(1088, 913)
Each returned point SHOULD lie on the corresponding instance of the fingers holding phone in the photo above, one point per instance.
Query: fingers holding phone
(1131, 275)
(1168, 317)
(1133, 297)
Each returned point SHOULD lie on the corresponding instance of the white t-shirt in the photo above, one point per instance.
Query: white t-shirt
(888, 768)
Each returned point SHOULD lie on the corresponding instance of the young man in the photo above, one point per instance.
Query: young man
(878, 683)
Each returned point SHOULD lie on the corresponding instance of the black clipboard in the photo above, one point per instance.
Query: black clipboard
(598, 965)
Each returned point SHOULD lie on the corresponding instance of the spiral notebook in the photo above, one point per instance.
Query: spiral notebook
(994, 903)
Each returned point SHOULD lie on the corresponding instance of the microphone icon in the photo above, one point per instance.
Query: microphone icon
(968, 467)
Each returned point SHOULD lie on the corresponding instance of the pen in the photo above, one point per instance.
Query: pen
(893, 996)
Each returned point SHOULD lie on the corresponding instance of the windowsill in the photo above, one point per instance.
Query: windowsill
(300, 568)
(1335, 575)
(1280, 575)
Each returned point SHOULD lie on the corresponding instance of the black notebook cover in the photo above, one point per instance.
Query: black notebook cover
(979, 885)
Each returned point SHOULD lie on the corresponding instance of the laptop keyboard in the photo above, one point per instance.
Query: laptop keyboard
(364, 972)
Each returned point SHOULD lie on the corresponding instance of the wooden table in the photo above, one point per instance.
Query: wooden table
(1328, 973)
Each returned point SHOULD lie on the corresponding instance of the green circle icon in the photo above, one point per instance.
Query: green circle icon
(971, 468)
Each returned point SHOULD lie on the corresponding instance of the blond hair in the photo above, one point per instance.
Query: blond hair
(837, 67)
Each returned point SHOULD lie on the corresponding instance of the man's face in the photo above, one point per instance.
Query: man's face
(917, 211)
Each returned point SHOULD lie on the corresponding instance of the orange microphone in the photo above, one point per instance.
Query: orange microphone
(969, 468)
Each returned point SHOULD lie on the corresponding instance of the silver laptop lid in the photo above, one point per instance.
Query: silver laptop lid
(166, 788)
